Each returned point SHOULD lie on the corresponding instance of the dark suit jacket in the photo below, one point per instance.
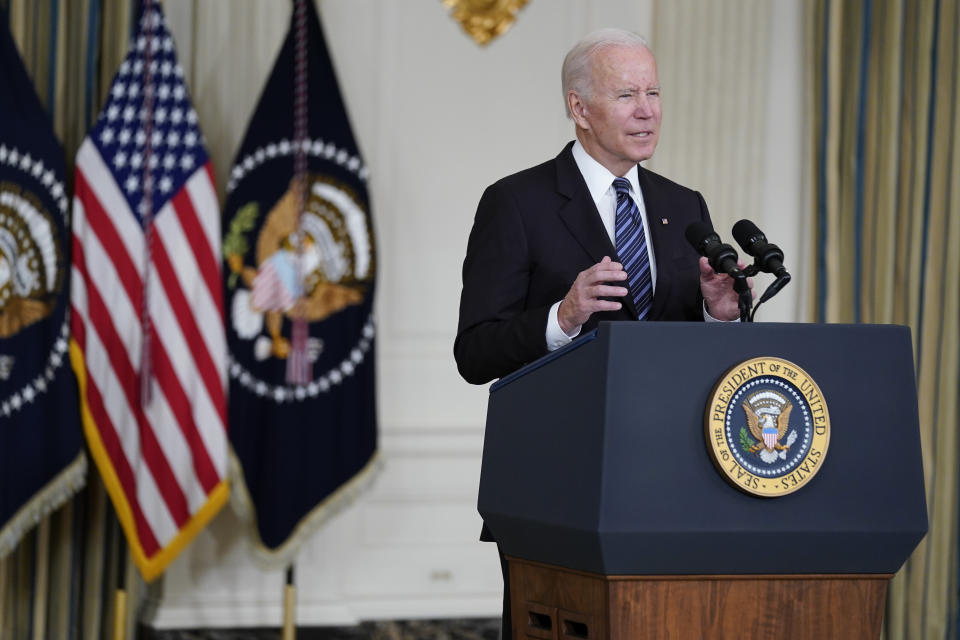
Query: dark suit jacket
(534, 232)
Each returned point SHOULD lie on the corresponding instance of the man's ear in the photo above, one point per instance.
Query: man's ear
(578, 109)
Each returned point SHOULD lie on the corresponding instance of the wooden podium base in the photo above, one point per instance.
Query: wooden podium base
(559, 604)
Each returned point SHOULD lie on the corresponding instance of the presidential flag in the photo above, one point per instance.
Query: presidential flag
(41, 458)
(147, 306)
(299, 282)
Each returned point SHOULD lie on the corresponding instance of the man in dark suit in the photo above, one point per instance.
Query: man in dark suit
(589, 235)
(541, 264)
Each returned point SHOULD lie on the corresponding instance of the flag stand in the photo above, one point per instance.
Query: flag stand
(120, 595)
(120, 615)
(289, 607)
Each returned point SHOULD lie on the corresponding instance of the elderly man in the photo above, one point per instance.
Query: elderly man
(587, 236)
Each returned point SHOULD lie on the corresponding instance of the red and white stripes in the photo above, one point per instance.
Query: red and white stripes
(168, 457)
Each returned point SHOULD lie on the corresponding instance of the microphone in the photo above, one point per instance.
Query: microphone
(721, 256)
(767, 257)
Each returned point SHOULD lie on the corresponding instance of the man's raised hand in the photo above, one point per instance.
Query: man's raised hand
(718, 293)
(584, 297)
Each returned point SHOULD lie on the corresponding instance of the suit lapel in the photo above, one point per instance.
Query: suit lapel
(580, 214)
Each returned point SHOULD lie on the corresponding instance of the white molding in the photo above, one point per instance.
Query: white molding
(228, 615)
(439, 441)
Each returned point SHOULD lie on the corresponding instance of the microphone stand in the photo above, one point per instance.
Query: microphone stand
(745, 298)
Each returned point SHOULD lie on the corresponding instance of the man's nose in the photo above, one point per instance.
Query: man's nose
(643, 108)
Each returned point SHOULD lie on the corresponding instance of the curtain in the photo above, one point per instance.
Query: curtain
(883, 83)
(71, 49)
(60, 581)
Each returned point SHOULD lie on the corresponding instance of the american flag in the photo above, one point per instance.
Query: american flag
(146, 244)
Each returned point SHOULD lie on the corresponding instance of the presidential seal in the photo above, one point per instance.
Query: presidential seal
(330, 271)
(285, 266)
(33, 273)
(767, 427)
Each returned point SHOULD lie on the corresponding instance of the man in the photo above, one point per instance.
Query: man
(542, 265)
(587, 236)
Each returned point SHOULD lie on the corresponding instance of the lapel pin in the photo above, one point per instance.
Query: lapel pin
(664, 221)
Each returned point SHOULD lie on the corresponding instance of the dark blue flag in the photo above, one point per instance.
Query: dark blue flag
(299, 284)
(41, 458)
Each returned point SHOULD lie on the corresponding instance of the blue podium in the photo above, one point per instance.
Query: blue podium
(597, 484)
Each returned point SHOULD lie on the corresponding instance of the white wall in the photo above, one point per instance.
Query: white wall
(439, 118)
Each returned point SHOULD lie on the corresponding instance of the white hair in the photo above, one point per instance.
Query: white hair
(576, 73)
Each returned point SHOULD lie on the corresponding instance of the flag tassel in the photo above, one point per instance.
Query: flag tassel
(298, 365)
(147, 213)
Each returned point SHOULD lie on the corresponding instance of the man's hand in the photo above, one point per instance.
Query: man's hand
(718, 293)
(583, 299)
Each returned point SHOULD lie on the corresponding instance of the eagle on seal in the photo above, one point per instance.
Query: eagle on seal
(275, 290)
(767, 428)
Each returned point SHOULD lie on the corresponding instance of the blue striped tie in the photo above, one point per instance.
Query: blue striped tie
(632, 248)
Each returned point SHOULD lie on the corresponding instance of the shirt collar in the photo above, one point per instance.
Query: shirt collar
(598, 177)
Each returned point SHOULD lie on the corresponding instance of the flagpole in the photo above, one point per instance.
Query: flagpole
(297, 364)
(120, 615)
(146, 211)
(289, 606)
(120, 595)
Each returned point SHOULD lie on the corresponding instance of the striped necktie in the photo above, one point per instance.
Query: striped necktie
(632, 248)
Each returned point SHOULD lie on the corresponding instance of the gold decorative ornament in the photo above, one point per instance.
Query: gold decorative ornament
(767, 427)
(484, 20)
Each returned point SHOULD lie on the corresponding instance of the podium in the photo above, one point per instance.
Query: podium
(597, 484)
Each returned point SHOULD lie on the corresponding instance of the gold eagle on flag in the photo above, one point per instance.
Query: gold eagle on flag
(310, 284)
(31, 263)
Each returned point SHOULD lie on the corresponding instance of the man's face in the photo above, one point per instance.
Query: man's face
(620, 124)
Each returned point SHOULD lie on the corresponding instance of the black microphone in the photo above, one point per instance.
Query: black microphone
(767, 257)
(723, 259)
(721, 256)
